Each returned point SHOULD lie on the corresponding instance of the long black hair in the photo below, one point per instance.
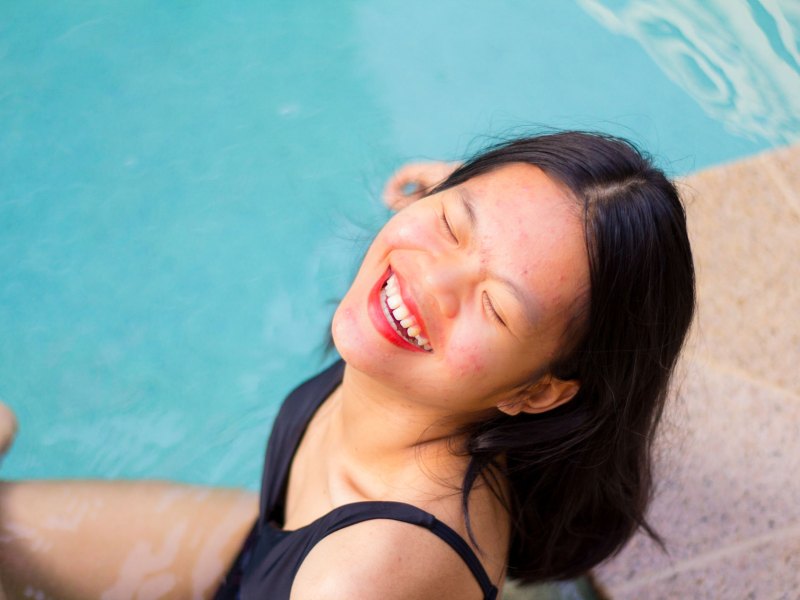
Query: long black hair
(581, 475)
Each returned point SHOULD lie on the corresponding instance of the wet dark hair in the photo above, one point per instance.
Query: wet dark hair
(580, 475)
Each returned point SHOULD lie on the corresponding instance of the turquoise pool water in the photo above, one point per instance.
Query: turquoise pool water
(186, 187)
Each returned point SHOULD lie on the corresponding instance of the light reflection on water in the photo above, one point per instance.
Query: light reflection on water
(739, 60)
(186, 190)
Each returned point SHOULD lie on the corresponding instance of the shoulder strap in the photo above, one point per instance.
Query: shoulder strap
(287, 430)
(350, 514)
(458, 544)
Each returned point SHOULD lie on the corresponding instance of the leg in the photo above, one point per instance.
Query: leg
(119, 540)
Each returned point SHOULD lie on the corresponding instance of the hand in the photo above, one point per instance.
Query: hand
(8, 428)
(420, 177)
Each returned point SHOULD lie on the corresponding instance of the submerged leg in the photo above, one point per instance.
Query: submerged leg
(119, 540)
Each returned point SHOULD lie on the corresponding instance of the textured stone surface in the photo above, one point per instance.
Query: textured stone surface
(727, 474)
(784, 167)
(728, 497)
(758, 571)
(746, 239)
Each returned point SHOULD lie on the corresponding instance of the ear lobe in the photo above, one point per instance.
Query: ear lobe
(548, 393)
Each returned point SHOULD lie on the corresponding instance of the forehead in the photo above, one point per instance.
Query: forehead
(521, 187)
(530, 229)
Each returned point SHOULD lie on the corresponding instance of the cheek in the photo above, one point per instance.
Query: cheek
(467, 359)
(405, 230)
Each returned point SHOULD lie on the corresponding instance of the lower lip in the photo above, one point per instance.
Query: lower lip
(378, 319)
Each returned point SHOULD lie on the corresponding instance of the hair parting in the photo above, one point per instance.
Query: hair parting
(580, 476)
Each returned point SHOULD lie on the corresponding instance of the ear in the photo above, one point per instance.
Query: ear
(546, 394)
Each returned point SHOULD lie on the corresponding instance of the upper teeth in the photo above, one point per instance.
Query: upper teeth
(394, 301)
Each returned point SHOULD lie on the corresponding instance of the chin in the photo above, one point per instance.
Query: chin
(360, 346)
(352, 340)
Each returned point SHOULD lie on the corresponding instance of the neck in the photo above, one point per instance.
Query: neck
(378, 430)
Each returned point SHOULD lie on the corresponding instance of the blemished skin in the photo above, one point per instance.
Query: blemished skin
(381, 435)
(454, 279)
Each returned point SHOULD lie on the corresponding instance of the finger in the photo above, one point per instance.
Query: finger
(410, 183)
(8, 428)
(404, 176)
(396, 192)
(400, 201)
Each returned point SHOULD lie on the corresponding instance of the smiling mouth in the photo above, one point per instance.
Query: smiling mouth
(399, 316)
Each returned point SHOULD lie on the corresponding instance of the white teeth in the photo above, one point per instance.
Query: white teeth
(393, 300)
(394, 306)
(401, 312)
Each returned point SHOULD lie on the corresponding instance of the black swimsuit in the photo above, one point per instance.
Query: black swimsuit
(270, 558)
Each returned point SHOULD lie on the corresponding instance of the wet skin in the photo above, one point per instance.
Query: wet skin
(118, 540)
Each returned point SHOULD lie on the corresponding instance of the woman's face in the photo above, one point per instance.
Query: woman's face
(489, 272)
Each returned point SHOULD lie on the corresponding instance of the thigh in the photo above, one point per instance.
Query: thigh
(115, 540)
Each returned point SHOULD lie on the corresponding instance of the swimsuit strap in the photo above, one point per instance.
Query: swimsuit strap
(458, 544)
(357, 512)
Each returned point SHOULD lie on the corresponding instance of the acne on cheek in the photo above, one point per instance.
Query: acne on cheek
(468, 362)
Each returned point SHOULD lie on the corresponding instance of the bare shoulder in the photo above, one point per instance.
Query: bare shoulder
(384, 559)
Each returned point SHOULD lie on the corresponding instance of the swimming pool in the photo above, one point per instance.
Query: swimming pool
(186, 189)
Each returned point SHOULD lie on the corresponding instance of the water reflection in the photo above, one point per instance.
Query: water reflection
(738, 59)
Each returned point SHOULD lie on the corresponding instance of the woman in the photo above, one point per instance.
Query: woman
(507, 345)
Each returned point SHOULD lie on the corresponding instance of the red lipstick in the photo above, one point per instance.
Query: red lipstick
(411, 305)
(378, 318)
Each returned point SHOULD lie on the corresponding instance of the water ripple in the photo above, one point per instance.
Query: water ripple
(738, 60)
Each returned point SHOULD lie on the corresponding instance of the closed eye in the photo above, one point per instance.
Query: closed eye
(487, 304)
(446, 225)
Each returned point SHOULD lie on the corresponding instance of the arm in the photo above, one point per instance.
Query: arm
(384, 559)
(110, 540)
(97, 539)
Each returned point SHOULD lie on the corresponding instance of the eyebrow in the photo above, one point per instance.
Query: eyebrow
(469, 205)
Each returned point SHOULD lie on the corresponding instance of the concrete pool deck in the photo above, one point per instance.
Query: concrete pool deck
(728, 496)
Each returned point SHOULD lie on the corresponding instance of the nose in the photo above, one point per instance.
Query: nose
(448, 279)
